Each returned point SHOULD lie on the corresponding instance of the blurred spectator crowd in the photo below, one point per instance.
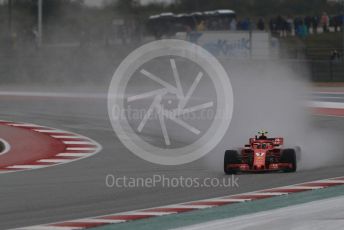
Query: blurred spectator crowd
(305, 25)
(168, 23)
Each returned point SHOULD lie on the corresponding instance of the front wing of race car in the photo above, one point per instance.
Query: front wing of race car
(272, 167)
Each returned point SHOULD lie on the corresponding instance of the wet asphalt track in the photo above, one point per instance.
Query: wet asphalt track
(78, 189)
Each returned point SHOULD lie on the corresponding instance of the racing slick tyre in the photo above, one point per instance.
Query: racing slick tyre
(231, 157)
(289, 156)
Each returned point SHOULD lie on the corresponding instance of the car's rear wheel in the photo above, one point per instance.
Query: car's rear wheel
(231, 157)
(289, 156)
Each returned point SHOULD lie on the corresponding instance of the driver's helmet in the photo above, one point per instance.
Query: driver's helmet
(262, 135)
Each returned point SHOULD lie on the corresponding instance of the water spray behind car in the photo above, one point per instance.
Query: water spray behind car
(273, 94)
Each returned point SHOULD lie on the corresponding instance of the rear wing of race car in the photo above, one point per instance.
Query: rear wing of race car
(275, 140)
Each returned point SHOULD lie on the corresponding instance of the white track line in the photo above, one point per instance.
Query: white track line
(65, 137)
(72, 154)
(54, 160)
(80, 148)
(329, 182)
(50, 131)
(39, 227)
(97, 220)
(151, 213)
(266, 193)
(327, 105)
(186, 206)
(25, 125)
(76, 142)
(53, 94)
(26, 166)
(300, 187)
(226, 200)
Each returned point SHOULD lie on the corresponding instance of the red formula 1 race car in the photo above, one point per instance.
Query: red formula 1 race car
(262, 154)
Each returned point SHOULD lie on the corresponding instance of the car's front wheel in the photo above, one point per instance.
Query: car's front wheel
(231, 157)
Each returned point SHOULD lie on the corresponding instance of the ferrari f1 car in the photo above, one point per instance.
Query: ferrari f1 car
(262, 154)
